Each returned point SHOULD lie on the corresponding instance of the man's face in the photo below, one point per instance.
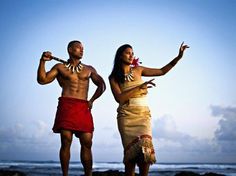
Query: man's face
(128, 56)
(76, 50)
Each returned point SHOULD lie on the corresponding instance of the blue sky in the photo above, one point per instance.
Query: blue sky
(193, 106)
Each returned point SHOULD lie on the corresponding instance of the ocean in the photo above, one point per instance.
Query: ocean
(52, 168)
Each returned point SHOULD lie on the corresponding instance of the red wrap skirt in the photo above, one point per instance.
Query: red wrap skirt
(74, 115)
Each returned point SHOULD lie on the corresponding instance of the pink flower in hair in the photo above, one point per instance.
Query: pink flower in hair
(136, 62)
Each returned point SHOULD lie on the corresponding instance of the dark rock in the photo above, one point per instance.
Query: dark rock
(187, 173)
(11, 173)
(110, 173)
(212, 174)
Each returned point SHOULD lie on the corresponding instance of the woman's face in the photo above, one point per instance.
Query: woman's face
(127, 56)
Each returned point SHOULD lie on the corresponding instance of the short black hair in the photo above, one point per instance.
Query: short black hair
(71, 43)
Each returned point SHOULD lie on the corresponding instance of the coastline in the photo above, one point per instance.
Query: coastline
(4, 172)
(49, 168)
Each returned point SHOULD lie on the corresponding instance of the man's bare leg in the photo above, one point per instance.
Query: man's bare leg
(129, 169)
(86, 152)
(66, 139)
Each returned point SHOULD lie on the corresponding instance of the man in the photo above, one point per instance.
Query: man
(74, 111)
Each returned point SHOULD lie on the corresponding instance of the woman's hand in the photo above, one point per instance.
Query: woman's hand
(182, 49)
(148, 84)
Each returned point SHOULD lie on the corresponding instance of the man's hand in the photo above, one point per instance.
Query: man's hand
(90, 104)
(182, 49)
(46, 56)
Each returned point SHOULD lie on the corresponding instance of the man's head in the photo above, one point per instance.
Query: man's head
(75, 49)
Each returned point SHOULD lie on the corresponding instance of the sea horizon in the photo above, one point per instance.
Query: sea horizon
(77, 161)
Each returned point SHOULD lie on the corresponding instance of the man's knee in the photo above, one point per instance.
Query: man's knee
(86, 143)
(86, 140)
(66, 142)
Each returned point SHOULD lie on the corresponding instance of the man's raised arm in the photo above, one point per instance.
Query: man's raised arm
(44, 77)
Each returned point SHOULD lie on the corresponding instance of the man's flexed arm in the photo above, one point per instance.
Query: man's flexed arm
(101, 86)
(44, 77)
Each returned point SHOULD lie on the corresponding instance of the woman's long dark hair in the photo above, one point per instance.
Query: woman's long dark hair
(117, 71)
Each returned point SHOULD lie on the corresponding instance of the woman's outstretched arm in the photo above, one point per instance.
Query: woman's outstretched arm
(162, 71)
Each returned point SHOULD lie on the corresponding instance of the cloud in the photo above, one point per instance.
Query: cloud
(36, 141)
(26, 141)
(165, 127)
(225, 135)
(107, 145)
(171, 142)
(171, 139)
(110, 150)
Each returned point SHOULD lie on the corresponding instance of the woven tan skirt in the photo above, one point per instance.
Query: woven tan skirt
(134, 123)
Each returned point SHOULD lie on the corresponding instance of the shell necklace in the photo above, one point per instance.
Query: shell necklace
(129, 76)
(74, 69)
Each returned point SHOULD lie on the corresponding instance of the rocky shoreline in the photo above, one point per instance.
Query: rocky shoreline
(108, 173)
(11, 173)
(183, 173)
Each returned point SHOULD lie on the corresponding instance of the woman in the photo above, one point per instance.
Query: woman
(134, 119)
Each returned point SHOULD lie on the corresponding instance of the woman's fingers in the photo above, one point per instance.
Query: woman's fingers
(149, 86)
(151, 80)
(150, 83)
